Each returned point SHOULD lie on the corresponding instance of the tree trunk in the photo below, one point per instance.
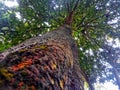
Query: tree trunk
(48, 62)
(117, 77)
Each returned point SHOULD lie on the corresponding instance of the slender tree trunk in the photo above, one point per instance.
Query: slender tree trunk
(117, 77)
(91, 87)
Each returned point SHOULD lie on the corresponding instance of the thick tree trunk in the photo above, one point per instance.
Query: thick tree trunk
(49, 62)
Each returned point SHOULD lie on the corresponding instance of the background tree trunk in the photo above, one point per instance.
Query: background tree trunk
(117, 77)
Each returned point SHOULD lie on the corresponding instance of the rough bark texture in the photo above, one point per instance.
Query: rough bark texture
(48, 62)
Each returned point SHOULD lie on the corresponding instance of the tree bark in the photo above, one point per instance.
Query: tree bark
(47, 62)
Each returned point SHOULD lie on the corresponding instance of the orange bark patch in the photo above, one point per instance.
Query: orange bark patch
(20, 84)
(22, 65)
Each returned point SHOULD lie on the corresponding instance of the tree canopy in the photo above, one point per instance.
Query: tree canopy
(94, 21)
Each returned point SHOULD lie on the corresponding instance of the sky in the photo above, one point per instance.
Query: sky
(11, 3)
(98, 86)
(105, 86)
